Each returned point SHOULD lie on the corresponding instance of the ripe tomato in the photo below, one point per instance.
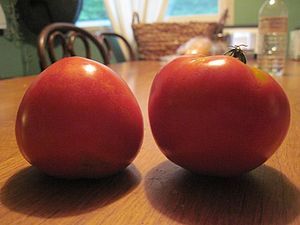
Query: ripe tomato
(79, 119)
(217, 116)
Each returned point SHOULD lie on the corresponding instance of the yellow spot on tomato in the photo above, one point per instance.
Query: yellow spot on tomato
(260, 75)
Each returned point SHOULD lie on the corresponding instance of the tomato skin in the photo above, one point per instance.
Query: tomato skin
(217, 116)
(74, 119)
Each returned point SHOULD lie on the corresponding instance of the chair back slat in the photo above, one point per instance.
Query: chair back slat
(53, 39)
(104, 38)
(72, 37)
(65, 35)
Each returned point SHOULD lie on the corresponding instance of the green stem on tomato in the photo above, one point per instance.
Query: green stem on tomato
(238, 53)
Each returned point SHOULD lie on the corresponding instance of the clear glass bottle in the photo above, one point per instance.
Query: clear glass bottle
(272, 36)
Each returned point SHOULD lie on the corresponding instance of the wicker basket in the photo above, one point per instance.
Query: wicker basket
(155, 40)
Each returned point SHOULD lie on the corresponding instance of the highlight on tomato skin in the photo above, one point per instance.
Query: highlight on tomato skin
(216, 115)
(73, 121)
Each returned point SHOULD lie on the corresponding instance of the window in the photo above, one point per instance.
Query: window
(93, 13)
(204, 10)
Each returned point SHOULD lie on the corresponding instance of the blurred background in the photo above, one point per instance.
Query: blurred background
(21, 21)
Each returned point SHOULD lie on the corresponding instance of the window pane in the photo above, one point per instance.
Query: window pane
(192, 7)
(93, 10)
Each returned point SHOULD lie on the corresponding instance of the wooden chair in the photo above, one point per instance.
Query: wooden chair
(108, 37)
(65, 34)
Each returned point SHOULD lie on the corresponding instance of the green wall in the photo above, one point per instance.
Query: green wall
(246, 12)
(18, 55)
(17, 48)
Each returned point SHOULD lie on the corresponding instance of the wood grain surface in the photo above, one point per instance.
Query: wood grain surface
(152, 190)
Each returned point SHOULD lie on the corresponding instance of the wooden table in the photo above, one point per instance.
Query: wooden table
(152, 190)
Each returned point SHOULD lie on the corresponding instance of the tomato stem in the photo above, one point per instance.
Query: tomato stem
(237, 52)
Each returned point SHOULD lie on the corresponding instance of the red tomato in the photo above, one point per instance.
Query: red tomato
(79, 119)
(217, 116)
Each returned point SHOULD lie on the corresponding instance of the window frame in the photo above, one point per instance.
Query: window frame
(93, 23)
